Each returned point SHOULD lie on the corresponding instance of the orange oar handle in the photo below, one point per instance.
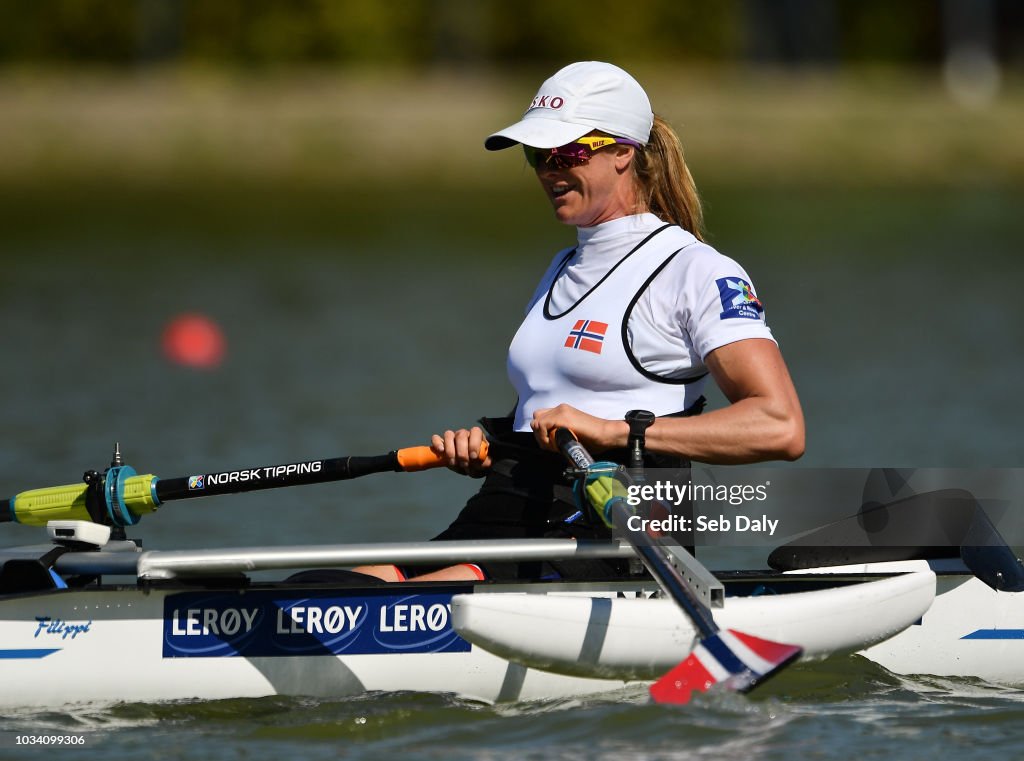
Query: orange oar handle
(412, 459)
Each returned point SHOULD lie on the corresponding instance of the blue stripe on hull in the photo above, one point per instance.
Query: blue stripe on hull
(36, 652)
(995, 634)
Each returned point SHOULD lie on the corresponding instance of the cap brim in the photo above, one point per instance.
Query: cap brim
(537, 133)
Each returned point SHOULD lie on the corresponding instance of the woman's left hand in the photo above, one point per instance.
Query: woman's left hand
(596, 434)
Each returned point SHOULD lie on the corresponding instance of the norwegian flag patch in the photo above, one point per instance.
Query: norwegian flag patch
(587, 335)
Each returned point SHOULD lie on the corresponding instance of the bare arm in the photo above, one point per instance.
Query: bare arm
(763, 422)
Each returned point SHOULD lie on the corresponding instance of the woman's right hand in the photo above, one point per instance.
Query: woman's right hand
(461, 451)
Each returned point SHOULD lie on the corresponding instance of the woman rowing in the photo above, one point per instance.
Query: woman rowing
(635, 316)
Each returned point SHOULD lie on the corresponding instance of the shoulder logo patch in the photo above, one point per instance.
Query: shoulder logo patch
(738, 299)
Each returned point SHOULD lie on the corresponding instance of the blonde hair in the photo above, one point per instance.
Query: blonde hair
(666, 186)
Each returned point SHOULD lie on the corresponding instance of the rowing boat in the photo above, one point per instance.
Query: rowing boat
(116, 623)
(90, 617)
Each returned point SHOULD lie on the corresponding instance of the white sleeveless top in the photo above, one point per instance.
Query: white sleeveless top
(624, 321)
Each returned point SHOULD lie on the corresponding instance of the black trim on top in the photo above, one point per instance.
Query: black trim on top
(625, 338)
(565, 261)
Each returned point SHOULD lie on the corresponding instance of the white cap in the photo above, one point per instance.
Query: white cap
(578, 99)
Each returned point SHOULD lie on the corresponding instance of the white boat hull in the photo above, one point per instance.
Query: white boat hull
(644, 638)
(192, 628)
(970, 630)
(110, 646)
(129, 644)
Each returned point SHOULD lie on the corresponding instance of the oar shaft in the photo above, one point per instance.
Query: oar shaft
(645, 546)
(408, 460)
(668, 576)
(272, 476)
(124, 496)
(731, 658)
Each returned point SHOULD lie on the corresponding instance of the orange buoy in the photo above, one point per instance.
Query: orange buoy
(194, 340)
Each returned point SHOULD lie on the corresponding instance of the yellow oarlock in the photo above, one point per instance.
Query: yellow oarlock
(603, 487)
(36, 507)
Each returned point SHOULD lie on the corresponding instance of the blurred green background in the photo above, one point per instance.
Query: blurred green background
(318, 118)
(311, 175)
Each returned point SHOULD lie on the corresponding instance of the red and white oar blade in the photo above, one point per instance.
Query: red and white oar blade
(736, 661)
(679, 684)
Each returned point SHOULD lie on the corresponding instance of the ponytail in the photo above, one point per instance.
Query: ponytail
(665, 184)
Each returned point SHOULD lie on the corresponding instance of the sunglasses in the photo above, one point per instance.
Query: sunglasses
(572, 154)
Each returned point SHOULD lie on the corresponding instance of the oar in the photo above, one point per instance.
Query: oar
(119, 497)
(732, 659)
